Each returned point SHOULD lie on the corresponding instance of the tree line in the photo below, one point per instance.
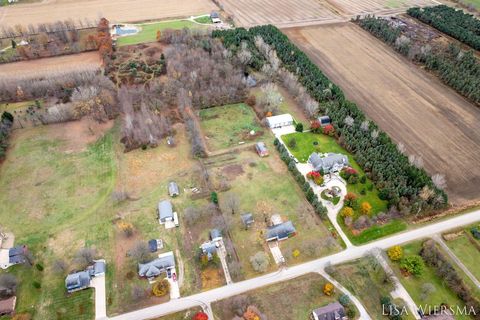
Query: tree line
(6, 123)
(457, 68)
(398, 180)
(462, 26)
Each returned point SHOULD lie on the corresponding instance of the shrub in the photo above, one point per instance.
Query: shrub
(363, 192)
(200, 316)
(328, 289)
(344, 300)
(350, 199)
(315, 126)
(36, 284)
(39, 267)
(214, 197)
(292, 143)
(259, 261)
(299, 127)
(276, 142)
(328, 130)
(346, 212)
(395, 253)
(251, 100)
(161, 288)
(363, 179)
(296, 253)
(365, 208)
(412, 265)
(475, 233)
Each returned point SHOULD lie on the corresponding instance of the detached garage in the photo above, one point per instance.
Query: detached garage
(279, 121)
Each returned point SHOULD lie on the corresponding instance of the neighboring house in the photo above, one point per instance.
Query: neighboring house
(7, 306)
(324, 120)
(280, 231)
(77, 281)
(279, 121)
(164, 263)
(173, 190)
(165, 211)
(17, 255)
(261, 149)
(331, 162)
(215, 17)
(81, 280)
(209, 249)
(332, 311)
(247, 219)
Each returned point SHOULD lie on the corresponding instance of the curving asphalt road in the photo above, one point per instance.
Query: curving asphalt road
(351, 253)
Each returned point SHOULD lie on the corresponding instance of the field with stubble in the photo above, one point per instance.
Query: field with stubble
(412, 106)
(115, 11)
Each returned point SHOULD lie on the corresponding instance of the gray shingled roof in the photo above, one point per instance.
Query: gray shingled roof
(331, 311)
(247, 218)
(156, 267)
(165, 210)
(76, 281)
(215, 233)
(173, 189)
(326, 163)
(280, 231)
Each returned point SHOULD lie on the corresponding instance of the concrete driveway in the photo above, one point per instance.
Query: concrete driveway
(98, 283)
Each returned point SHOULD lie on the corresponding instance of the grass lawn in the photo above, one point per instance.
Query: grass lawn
(182, 315)
(292, 299)
(204, 19)
(58, 194)
(475, 3)
(414, 284)
(365, 280)
(265, 187)
(466, 252)
(226, 126)
(15, 106)
(148, 32)
(374, 232)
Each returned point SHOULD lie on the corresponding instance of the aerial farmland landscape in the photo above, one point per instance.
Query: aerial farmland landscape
(239, 160)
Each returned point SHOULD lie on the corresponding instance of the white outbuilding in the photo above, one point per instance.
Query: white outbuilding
(279, 121)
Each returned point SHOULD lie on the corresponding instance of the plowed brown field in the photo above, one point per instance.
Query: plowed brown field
(288, 13)
(412, 106)
(115, 11)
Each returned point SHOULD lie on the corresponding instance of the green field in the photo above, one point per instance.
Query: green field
(226, 126)
(50, 200)
(203, 19)
(413, 284)
(374, 232)
(148, 32)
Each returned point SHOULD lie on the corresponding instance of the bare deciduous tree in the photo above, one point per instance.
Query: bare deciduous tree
(439, 181)
(231, 202)
(85, 256)
(140, 252)
(260, 261)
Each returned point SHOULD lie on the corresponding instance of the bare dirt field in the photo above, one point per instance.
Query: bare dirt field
(115, 11)
(412, 106)
(285, 13)
(46, 66)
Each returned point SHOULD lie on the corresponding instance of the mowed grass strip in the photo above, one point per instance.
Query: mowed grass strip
(148, 32)
(466, 251)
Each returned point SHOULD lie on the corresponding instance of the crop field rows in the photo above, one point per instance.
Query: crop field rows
(288, 13)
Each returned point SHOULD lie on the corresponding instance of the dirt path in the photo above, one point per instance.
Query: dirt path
(48, 66)
(115, 11)
(412, 106)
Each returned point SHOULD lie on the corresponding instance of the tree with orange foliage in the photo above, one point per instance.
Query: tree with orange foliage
(365, 208)
(328, 289)
(251, 315)
(159, 35)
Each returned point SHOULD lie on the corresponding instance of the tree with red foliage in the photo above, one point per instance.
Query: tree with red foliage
(200, 316)
(315, 126)
(329, 130)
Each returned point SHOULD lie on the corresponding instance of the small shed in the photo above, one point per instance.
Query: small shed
(215, 17)
(215, 235)
(261, 149)
(17, 255)
(7, 306)
(324, 120)
(165, 211)
(279, 121)
(155, 244)
(247, 219)
(173, 190)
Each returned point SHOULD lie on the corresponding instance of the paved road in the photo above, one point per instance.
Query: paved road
(318, 265)
(460, 264)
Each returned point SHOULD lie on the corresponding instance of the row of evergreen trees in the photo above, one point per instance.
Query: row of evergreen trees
(462, 26)
(397, 180)
(6, 123)
(457, 68)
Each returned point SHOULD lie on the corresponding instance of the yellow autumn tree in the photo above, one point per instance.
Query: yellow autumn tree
(161, 288)
(296, 253)
(365, 208)
(328, 289)
(346, 212)
(395, 253)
